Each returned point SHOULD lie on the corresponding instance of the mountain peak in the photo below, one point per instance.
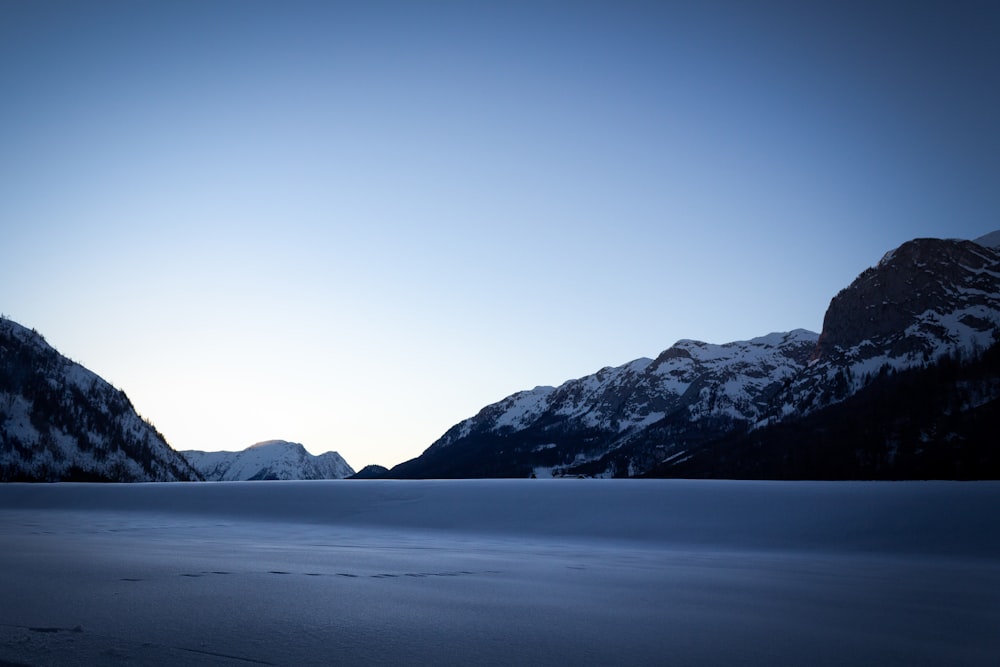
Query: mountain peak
(918, 279)
(708, 352)
(277, 444)
(991, 240)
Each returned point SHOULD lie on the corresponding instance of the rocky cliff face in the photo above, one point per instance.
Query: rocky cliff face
(926, 300)
(925, 297)
(59, 421)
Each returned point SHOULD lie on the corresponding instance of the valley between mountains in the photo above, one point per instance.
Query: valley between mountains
(903, 382)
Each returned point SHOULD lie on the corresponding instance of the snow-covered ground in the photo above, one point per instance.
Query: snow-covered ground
(501, 572)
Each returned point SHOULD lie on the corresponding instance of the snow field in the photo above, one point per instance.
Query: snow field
(501, 572)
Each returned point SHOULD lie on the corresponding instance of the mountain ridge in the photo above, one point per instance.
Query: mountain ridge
(925, 302)
(929, 310)
(268, 460)
(566, 428)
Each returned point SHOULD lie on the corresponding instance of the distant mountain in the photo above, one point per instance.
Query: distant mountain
(929, 310)
(991, 240)
(372, 471)
(61, 422)
(270, 460)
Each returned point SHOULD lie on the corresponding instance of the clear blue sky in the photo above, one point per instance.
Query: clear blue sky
(353, 225)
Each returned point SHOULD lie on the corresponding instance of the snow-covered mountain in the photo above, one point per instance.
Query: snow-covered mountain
(597, 424)
(273, 459)
(60, 421)
(371, 471)
(926, 302)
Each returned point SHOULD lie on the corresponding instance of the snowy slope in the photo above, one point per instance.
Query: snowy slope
(272, 459)
(701, 378)
(991, 240)
(60, 421)
(562, 430)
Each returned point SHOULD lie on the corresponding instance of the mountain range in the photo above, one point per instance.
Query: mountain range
(269, 460)
(62, 422)
(903, 381)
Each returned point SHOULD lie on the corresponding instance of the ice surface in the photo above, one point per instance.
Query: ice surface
(501, 572)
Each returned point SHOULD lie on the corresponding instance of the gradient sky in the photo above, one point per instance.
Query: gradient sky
(354, 225)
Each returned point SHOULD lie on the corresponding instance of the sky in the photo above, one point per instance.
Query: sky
(353, 225)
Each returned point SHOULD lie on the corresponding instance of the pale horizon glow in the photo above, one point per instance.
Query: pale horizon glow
(354, 225)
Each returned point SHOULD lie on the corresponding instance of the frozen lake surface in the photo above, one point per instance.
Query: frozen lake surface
(501, 572)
